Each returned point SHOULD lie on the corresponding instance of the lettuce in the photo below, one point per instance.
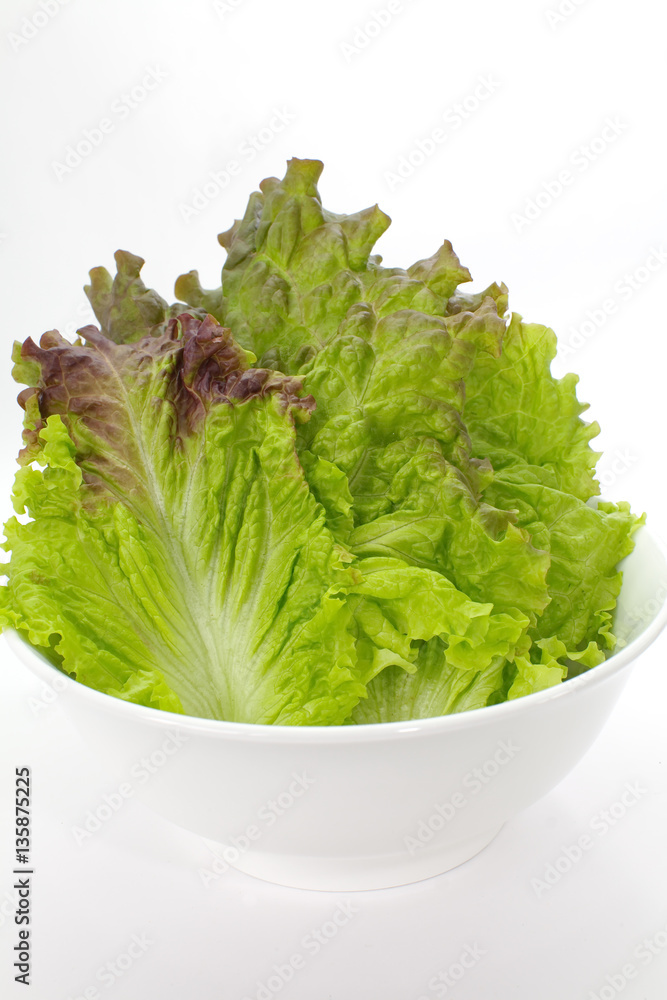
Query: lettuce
(326, 492)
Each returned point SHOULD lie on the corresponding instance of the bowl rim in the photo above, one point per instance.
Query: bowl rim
(362, 732)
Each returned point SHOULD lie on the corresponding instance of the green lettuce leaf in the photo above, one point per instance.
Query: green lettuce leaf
(387, 516)
(529, 424)
(174, 543)
(518, 414)
(385, 352)
(439, 415)
(176, 555)
(452, 675)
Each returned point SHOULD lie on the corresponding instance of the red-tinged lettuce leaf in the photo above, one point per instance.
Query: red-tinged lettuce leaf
(125, 309)
(385, 519)
(385, 352)
(176, 555)
(132, 410)
(173, 536)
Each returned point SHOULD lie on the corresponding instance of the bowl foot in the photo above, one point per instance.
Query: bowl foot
(354, 874)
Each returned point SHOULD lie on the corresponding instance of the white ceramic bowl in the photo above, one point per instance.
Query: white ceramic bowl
(363, 807)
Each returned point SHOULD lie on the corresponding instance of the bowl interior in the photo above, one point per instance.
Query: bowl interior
(641, 605)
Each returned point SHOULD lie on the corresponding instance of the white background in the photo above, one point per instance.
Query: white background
(360, 104)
